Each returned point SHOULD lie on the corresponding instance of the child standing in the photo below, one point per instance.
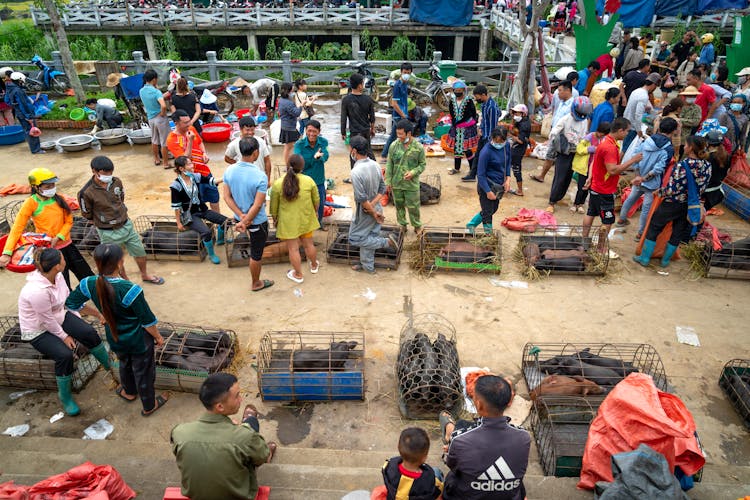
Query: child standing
(407, 476)
(582, 161)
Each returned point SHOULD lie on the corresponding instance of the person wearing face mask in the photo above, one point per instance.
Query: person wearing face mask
(690, 116)
(519, 139)
(406, 161)
(399, 104)
(736, 122)
(462, 137)
(16, 97)
(743, 82)
(52, 216)
(490, 116)
(102, 201)
(493, 178)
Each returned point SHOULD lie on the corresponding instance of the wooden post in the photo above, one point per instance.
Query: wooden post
(140, 65)
(213, 71)
(286, 65)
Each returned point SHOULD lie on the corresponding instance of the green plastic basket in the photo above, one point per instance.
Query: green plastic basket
(77, 114)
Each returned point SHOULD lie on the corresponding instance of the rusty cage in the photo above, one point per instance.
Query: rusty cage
(163, 241)
(340, 251)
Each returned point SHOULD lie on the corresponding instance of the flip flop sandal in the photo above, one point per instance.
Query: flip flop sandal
(445, 418)
(120, 391)
(266, 284)
(155, 280)
(291, 276)
(160, 401)
(515, 192)
(157, 162)
(250, 411)
(271, 451)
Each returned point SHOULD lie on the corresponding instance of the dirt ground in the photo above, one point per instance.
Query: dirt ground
(631, 304)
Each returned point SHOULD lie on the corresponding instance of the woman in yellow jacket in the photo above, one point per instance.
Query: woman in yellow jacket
(52, 216)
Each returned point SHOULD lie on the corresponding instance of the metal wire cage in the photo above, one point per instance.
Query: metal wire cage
(732, 260)
(8, 213)
(83, 234)
(561, 426)
(428, 370)
(457, 249)
(163, 241)
(340, 251)
(430, 189)
(603, 364)
(237, 248)
(564, 250)
(311, 366)
(735, 382)
(189, 355)
(23, 366)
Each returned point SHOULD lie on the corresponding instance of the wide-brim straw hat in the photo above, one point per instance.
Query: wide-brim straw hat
(690, 90)
(113, 79)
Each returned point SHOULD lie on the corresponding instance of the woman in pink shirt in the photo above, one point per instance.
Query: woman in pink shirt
(51, 329)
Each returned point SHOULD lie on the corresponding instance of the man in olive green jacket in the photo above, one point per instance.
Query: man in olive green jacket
(406, 162)
(216, 457)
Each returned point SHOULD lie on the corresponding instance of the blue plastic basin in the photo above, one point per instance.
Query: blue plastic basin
(11, 134)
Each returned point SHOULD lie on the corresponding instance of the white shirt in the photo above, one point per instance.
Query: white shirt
(638, 105)
(233, 150)
(261, 88)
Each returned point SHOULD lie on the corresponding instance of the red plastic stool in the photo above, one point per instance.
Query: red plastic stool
(173, 493)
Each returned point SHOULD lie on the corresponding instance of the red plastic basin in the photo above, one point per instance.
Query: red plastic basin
(242, 112)
(15, 267)
(216, 132)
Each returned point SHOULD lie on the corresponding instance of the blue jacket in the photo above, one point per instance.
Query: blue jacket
(657, 151)
(17, 98)
(494, 164)
(602, 113)
(288, 113)
(707, 54)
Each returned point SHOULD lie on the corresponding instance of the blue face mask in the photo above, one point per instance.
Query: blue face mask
(497, 145)
(735, 106)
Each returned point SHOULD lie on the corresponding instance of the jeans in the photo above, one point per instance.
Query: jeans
(138, 373)
(648, 199)
(34, 142)
(367, 245)
(201, 228)
(52, 346)
(475, 161)
(302, 124)
(321, 206)
(391, 137)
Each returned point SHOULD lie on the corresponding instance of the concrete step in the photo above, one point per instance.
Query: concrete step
(310, 473)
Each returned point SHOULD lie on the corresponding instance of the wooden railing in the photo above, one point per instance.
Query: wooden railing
(261, 17)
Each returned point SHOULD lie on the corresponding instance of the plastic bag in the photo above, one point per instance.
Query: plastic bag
(85, 481)
(739, 172)
(546, 125)
(637, 412)
(632, 148)
(524, 224)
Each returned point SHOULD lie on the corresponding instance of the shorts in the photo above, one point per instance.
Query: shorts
(258, 236)
(159, 130)
(124, 236)
(602, 205)
(208, 193)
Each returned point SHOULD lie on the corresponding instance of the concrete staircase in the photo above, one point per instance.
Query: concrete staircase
(296, 473)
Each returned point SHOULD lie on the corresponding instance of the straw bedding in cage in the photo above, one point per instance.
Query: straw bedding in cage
(735, 382)
(237, 248)
(563, 250)
(163, 241)
(428, 369)
(340, 251)
(24, 367)
(456, 249)
(190, 354)
(311, 366)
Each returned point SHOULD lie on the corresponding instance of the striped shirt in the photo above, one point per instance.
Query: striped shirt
(490, 117)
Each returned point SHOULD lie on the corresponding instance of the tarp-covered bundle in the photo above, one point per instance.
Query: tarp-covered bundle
(637, 13)
(441, 12)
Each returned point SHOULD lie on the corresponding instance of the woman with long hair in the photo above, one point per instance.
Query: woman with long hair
(294, 208)
(694, 168)
(300, 98)
(289, 112)
(130, 326)
(720, 163)
(52, 216)
(189, 208)
(185, 99)
(51, 329)
(462, 136)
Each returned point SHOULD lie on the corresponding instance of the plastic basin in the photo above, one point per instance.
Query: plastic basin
(216, 132)
(11, 134)
(242, 112)
(77, 114)
(15, 267)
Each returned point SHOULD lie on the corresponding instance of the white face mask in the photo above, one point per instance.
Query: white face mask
(406, 140)
(406, 76)
(48, 193)
(517, 118)
(106, 178)
(690, 100)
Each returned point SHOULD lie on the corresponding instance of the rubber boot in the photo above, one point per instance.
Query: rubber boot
(64, 392)
(646, 252)
(210, 249)
(487, 228)
(474, 222)
(219, 236)
(668, 253)
(101, 355)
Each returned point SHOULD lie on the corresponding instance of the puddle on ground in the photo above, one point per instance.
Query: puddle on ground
(294, 422)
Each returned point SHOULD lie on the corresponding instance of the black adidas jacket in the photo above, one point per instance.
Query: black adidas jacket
(487, 461)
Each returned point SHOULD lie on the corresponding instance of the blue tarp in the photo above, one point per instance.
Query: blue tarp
(636, 13)
(676, 7)
(441, 12)
(717, 5)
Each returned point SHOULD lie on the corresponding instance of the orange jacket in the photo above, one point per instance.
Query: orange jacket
(49, 218)
(177, 145)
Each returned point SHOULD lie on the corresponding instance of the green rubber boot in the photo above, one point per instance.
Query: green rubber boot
(646, 252)
(210, 249)
(101, 355)
(474, 222)
(219, 236)
(64, 392)
(487, 228)
(668, 253)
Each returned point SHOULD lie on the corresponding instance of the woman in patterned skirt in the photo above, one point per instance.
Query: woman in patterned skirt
(463, 136)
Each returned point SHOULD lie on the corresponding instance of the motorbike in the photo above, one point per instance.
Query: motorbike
(371, 87)
(435, 93)
(47, 79)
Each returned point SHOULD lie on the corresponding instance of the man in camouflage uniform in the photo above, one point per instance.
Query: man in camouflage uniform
(406, 162)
